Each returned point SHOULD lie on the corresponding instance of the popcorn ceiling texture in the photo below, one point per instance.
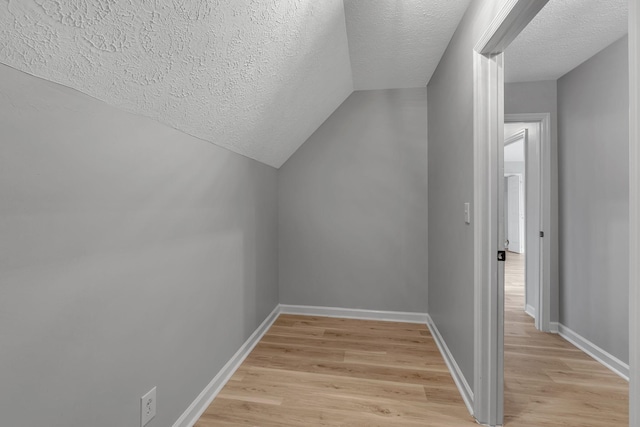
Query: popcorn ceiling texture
(256, 77)
(395, 44)
(259, 76)
(562, 36)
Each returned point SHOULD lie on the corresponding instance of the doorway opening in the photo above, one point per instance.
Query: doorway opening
(488, 193)
(516, 200)
(527, 142)
(514, 187)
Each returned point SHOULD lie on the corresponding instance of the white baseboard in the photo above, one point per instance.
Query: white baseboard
(553, 327)
(350, 313)
(530, 310)
(454, 369)
(608, 360)
(197, 408)
(200, 404)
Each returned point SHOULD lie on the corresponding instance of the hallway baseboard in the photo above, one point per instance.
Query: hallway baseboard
(200, 404)
(354, 313)
(454, 369)
(197, 408)
(530, 310)
(608, 360)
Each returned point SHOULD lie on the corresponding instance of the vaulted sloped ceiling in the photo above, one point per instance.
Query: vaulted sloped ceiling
(255, 76)
(396, 44)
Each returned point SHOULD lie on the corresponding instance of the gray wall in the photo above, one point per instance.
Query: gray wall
(451, 185)
(353, 207)
(593, 150)
(132, 256)
(541, 97)
(532, 97)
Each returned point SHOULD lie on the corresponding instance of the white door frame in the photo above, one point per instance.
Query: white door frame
(488, 275)
(488, 60)
(543, 294)
(521, 217)
(521, 135)
(488, 147)
(634, 213)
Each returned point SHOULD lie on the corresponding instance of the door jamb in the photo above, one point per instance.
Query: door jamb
(634, 213)
(543, 297)
(488, 135)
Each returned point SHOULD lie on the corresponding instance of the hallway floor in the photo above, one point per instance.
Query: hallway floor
(319, 371)
(548, 381)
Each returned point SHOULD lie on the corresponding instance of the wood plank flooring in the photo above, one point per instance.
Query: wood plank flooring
(318, 371)
(548, 381)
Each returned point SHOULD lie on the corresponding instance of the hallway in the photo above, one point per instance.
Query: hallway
(548, 381)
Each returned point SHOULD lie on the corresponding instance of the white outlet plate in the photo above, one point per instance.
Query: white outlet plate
(147, 407)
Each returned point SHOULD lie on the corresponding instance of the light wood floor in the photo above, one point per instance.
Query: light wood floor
(548, 381)
(318, 371)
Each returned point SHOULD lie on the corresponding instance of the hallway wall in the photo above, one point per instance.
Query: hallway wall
(353, 207)
(451, 291)
(132, 256)
(593, 152)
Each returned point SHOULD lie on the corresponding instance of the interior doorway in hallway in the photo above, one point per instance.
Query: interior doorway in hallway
(522, 202)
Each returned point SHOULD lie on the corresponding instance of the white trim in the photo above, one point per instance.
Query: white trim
(634, 212)
(521, 134)
(354, 313)
(454, 369)
(553, 327)
(198, 406)
(530, 310)
(488, 146)
(507, 25)
(605, 358)
(522, 237)
(488, 238)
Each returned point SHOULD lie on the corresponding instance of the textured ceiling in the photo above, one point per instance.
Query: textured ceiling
(562, 36)
(257, 77)
(399, 43)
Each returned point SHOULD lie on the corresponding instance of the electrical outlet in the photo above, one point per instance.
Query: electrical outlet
(147, 407)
